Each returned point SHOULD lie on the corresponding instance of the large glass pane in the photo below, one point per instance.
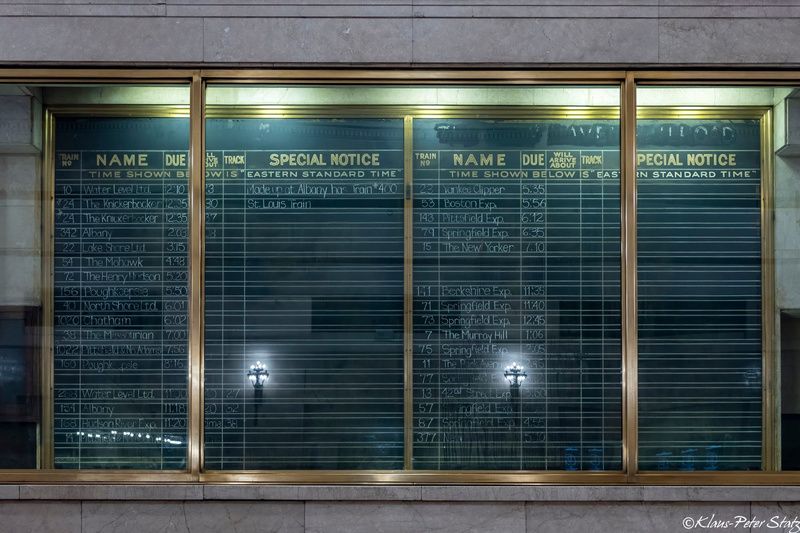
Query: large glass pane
(516, 262)
(785, 250)
(107, 323)
(512, 204)
(304, 274)
(707, 278)
(20, 274)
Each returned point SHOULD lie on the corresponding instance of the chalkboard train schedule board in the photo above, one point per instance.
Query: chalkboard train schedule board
(700, 294)
(516, 260)
(304, 273)
(120, 292)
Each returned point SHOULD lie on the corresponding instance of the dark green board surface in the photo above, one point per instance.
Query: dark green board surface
(304, 272)
(516, 259)
(699, 273)
(121, 292)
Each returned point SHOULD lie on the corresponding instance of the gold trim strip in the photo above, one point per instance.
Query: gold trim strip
(498, 112)
(417, 111)
(95, 476)
(770, 365)
(717, 478)
(97, 75)
(629, 314)
(407, 76)
(408, 305)
(717, 77)
(499, 477)
(432, 477)
(196, 271)
(121, 110)
(700, 112)
(46, 450)
(389, 74)
(48, 471)
(397, 477)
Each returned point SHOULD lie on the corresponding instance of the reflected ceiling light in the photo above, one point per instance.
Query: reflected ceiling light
(258, 375)
(515, 374)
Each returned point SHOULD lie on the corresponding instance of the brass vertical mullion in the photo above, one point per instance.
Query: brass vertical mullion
(408, 264)
(197, 213)
(770, 380)
(628, 277)
(45, 455)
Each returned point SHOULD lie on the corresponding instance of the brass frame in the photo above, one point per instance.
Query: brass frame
(629, 309)
(768, 363)
(197, 210)
(627, 80)
(414, 111)
(408, 114)
(48, 471)
(408, 289)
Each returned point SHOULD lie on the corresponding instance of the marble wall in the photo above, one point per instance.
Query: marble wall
(787, 246)
(401, 32)
(20, 196)
(389, 516)
(197, 508)
(787, 232)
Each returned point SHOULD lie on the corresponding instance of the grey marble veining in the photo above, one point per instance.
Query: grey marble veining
(112, 492)
(134, 516)
(512, 493)
(403, 493)
(633, 517)
(82, 10)
(313, 492)
(361, 493)
(40, 517)
(535, 10)
(9, 492)
(402, 517)
(251, 492)
(299, 9)
(720, 493)
(17, 124)
(487, 40)
(19, 176)
(787, 268)
(250, 508)
(19, 225)
(307, 40)
(337, 32)
(787, 182)
(245, 517)
(775, 517)
(192, 517)
(729, 41)
(100, 39)
(787, 228)
(20, 271)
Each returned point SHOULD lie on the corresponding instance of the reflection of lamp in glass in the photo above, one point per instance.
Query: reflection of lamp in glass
(258, 375)
(515, 374)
